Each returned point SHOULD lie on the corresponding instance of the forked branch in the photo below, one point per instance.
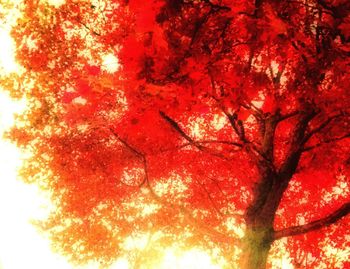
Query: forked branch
(176, 126)
(291, 161)
(320, 127)
(315, 225)
(198, 145)
(327, 141)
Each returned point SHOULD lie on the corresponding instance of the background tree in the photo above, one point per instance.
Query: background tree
(220, 116)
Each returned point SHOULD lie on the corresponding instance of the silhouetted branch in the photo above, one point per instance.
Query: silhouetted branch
(315, 225)
(234, 214)
(176, 126)
(198, 145)
(291, 161)
(217, 210)
(327, 141)
(126, 144)
(220, 142)
(137, 153)
(288, 116)
(320, 128)
(239, 145)
(89, 29)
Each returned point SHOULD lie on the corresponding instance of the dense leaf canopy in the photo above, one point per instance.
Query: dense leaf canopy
(193, 123)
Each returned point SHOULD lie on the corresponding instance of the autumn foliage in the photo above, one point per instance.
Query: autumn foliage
(219, 117)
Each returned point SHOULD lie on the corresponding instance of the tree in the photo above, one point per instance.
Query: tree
(218, 114)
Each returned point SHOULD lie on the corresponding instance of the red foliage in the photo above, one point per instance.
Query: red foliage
(220, 110)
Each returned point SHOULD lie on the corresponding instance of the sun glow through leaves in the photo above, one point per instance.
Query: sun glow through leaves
(132, 151)
(110, 63)
(191, 259)
(21, 246)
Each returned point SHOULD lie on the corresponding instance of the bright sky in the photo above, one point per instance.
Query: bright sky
(21, 246)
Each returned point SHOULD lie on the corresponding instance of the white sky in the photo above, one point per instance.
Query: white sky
(21, 246)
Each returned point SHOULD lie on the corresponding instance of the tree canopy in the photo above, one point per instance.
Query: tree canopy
(216, 124)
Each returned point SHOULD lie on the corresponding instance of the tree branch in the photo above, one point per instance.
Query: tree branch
(314, 225)
(290, 163)
(138, 154)
(288, 115)
(126, 144)
(238, 128)
(198, 145)
(201, 227)
(257, 112)
(239, 145)
(198, 224)
(223, 142)
(217, 210)
(268, 138)
(326, 142)
(176, 126)
(89, 29)
(320, 127)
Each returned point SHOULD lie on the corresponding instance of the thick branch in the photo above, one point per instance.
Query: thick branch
(237, 127)
(320, 127)
(270, 189)
(270, 123)
(288, 115)
(291, 162)
(327, 141)
(315, 225)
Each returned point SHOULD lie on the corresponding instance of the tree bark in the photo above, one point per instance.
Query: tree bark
(259, 235)
(255, 246)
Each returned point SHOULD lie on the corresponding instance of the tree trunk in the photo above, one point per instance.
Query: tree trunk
(256, 246)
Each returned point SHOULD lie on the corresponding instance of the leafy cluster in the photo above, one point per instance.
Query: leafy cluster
(220, 116)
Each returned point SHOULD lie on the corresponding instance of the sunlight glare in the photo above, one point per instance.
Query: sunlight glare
(7, 61)
(20, 246)
(191, 259)
(110, 63)
(136, 242)
(286, 263)
(121, 263)
(8, 18)
(56, 3)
